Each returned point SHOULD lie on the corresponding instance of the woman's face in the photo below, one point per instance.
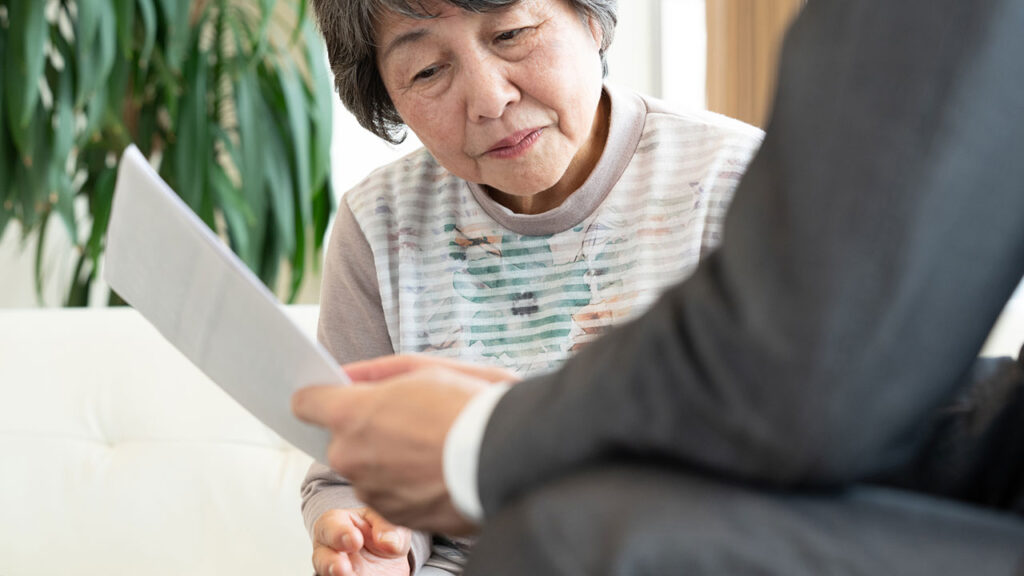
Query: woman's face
(507, 99)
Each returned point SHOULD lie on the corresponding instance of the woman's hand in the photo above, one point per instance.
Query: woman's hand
(358, 542)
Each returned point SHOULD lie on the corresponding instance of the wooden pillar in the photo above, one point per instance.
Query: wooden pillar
(744, 37)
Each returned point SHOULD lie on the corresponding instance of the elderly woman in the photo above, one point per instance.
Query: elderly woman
(545, 207)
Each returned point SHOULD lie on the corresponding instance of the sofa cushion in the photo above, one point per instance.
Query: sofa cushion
(119, 457)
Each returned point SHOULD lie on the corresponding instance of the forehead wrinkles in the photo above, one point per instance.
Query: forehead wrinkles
(428, 9)
(401, 14)
(391, 12)
(384, 12)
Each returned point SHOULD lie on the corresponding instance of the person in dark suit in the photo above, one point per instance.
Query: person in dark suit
(805, 402)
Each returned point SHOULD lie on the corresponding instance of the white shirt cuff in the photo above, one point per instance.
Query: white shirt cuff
(462, 451)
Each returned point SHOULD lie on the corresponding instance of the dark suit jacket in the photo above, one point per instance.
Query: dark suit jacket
(868, 251)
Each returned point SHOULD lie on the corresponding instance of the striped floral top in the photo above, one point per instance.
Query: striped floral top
(456, 274)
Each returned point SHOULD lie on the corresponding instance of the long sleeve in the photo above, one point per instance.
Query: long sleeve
(351, 327)
(868, 251)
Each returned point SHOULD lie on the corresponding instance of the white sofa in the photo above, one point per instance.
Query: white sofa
(117, 457)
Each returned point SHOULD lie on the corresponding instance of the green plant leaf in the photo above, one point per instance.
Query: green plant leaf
(35, 188)
(24, 62)
(176, 30)
(267, 13)
(95, 113)
(146, 129)
(137, 65)
(271, 256)
(102, 201)
(303, 21)
(321, 105)
(106, 39)
(124, 13)
(298, 265)
(208, 203)
(251, 113)
(6, 205)
(236, 212)
(88, 47)
(167, 83)
(81, 285)
(38, 260)
(118, 102)
(250, 47)
(147, 13)
(5, 218)
(323, 208)
(6, 155)
(22, 198)
(279, 174)
(192, 147)
(279, 191)
(63, 139)
(298, 120)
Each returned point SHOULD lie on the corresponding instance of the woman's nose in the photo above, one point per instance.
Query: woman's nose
(488, 90)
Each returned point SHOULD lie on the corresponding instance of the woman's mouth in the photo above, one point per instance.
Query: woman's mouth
(515, 145)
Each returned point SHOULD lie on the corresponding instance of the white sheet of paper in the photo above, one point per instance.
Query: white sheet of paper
(164, 261)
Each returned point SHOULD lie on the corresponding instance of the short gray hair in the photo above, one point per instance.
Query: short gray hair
(348, 29)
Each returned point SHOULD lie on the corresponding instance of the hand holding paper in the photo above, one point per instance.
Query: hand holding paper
(388, 438)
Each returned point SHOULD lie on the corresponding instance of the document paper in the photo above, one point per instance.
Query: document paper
(164, 261)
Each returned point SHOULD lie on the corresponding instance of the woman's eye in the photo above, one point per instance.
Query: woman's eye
(509, 35)
(425, 74)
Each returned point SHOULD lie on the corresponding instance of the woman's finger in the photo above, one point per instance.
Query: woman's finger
(329, 562)
(338, 530)
(384, 538)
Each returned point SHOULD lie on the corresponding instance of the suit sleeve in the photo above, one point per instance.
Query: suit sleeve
(868, 251)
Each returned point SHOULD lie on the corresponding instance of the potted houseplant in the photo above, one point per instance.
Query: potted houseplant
(229, 99)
